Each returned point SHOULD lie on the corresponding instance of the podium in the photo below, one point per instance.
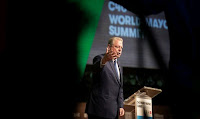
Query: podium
(139, 104)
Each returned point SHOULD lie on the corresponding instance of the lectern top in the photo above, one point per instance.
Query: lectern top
(149, 91)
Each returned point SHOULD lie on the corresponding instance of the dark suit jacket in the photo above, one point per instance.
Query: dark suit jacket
(107, 93)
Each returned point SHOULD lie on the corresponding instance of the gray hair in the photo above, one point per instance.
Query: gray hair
(110, 41)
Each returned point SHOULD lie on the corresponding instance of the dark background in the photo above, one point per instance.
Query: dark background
(34, 67)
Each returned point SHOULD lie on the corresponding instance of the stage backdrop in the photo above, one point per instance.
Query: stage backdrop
(115, 20)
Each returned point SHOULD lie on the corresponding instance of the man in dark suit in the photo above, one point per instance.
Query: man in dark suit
(106, 98)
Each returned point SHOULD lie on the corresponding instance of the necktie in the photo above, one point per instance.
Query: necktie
(117, 69)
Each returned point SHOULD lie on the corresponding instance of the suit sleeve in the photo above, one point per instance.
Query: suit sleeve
(96, 63)
(121, 93)
(121, 98)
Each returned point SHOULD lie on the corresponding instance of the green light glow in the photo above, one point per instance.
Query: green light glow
(92, 10)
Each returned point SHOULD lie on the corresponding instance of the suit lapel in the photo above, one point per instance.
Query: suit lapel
(113, 69)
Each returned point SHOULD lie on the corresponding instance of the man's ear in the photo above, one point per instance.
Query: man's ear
(108, 45)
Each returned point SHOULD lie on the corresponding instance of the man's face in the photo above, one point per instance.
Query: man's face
(117, 47)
